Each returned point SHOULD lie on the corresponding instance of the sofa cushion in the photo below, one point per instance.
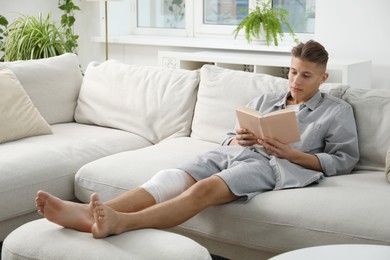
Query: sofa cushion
(155, 103)
(47, 240)
(348, 209)
(19, 117)
(49, 162)
(387, 168)
(53, 85)
(220, 92)
(371, 109)
(132, 168)
(334, 89)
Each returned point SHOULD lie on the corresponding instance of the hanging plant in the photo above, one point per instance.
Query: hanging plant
(67, 21)
(265, 22)
(28, 37)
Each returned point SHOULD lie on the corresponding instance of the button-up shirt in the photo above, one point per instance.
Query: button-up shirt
(327, 126)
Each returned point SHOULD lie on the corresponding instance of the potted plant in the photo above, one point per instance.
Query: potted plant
(265, 23)
(28, 37)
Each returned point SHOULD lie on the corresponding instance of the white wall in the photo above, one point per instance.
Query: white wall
(355, 29)
(12, 8)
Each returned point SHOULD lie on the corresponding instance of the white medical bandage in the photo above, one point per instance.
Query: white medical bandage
(167, 184)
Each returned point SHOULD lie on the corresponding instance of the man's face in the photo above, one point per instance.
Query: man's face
(305, 78)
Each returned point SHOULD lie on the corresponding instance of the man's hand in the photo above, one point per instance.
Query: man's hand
(244, 138)
(285, 151)
(276, 148)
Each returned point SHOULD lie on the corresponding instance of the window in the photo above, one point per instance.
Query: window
(216, 18)
(161, 14)
(224, 12)
(301, 14)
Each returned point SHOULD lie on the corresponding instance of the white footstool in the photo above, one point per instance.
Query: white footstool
(41, 239)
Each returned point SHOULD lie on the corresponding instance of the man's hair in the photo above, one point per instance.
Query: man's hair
(311, 51)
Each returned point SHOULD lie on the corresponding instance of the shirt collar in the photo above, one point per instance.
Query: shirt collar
(311, 103)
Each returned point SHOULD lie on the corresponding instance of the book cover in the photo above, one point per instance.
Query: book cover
(281, 125)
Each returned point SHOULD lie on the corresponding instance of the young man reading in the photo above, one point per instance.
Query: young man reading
(240, 168)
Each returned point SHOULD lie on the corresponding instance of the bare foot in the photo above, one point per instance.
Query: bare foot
(107, 220)
(65, 213)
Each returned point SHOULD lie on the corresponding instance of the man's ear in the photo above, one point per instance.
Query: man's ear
(325, 76)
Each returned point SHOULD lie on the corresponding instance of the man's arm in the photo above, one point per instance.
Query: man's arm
(285, 151)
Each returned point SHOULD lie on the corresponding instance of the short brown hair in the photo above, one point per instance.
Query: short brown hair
(311, 51)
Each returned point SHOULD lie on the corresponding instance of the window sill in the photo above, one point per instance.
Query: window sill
(202, 43)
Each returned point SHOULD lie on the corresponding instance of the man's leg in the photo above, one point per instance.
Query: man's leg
(80, 216)
(203, 194)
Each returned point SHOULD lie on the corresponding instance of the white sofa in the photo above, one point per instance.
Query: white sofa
(119, 124)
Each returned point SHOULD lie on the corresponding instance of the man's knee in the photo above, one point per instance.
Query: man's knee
(167, 184)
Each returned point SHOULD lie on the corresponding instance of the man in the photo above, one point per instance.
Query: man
(239, 169)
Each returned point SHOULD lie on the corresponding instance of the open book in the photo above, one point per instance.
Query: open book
(281, 125)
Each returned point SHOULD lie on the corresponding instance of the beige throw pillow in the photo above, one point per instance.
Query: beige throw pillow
(387, 169)
(19, 118)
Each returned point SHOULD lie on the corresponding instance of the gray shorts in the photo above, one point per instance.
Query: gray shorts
(246, 172)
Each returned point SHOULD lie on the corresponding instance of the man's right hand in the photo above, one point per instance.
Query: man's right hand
(244, 138)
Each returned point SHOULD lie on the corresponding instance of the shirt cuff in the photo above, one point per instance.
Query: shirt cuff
(327, 164)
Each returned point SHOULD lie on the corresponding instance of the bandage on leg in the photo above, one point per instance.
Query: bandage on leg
(167, 184)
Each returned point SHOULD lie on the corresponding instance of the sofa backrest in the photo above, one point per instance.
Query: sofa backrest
(372, 114)
(220, 92)
(53, 85)
(153, 102)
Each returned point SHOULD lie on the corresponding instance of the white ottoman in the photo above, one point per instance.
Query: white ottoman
(41, 239)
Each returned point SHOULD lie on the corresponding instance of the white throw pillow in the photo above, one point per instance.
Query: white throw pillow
(220, 92)
(53, 85)
(152, 102)
(19, 118)
(371, 108)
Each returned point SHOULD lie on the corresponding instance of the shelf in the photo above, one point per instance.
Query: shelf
(191, 42)
(356, 73)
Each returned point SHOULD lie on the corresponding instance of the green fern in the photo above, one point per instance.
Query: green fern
(267, 18)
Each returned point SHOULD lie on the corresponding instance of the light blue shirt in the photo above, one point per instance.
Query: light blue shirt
(327, 126)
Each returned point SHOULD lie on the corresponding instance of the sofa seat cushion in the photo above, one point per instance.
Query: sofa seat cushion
(132, 168)
(341, 210)
(275, 221)
(50, 241)
(50, 162)
(153, 102)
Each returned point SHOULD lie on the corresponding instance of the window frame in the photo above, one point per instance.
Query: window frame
(194, 26)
